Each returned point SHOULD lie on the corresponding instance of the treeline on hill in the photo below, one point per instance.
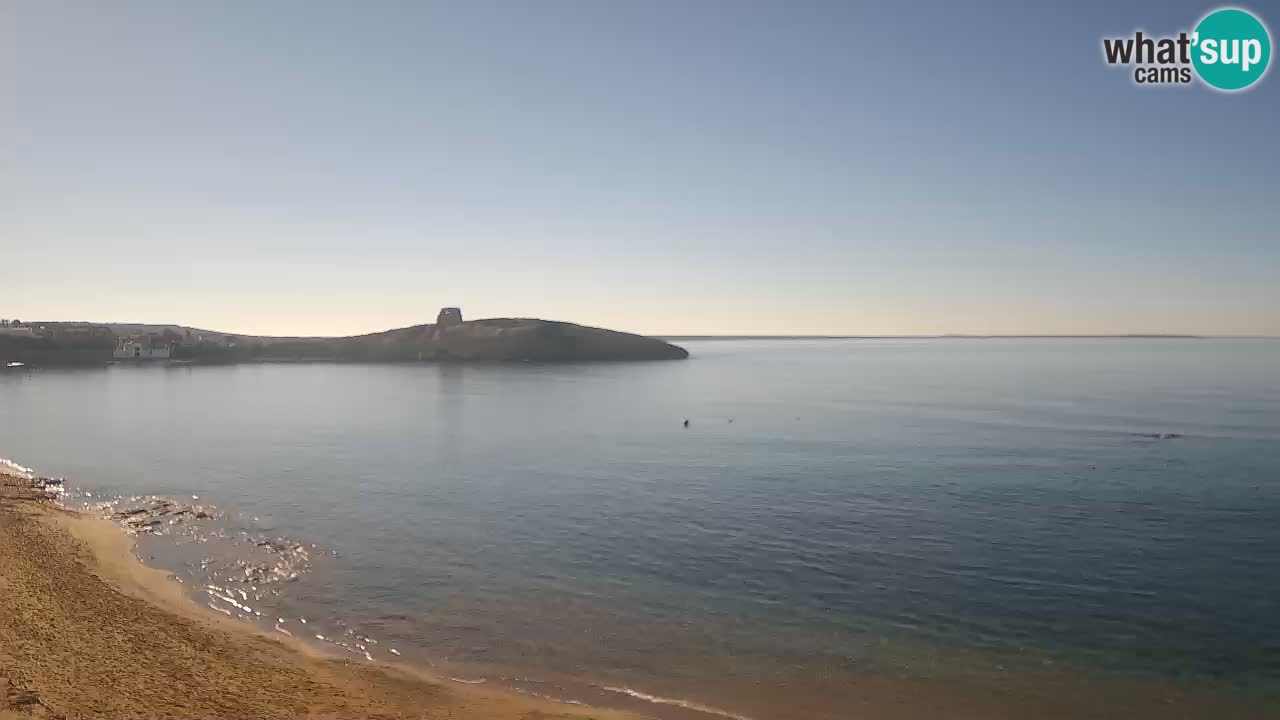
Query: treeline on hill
(277, 350)
(87, 349)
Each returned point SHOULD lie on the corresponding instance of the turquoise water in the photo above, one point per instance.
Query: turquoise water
(834, 507)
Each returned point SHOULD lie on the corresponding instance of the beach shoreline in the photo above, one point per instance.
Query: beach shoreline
(88, 630)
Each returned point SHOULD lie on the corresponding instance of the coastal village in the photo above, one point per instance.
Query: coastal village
(83, 341)
(92, 342)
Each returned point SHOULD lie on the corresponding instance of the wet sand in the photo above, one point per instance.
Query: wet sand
(88, 631)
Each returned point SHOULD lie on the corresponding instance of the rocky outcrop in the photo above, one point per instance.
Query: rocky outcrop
(493, 340)
(505, 340)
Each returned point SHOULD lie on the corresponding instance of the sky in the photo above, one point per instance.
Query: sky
(878, 168)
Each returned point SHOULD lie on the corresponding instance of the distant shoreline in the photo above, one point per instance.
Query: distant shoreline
(953, 336)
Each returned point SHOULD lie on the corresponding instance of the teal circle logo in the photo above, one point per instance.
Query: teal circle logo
(1232, 49)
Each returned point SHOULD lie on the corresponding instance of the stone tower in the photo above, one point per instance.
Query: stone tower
(448, 317)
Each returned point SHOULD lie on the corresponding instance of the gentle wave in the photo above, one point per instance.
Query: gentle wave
(552, 698)
(686, 704)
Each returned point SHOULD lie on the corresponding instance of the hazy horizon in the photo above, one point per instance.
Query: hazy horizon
(722, 169)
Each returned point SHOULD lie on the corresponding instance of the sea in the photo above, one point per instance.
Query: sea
(1088, 521)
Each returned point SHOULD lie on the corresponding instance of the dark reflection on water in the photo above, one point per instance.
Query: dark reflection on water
(834, 507)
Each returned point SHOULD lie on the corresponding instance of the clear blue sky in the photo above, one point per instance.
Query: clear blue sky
(682, 167)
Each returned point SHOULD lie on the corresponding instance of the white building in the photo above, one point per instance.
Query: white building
(142, 347)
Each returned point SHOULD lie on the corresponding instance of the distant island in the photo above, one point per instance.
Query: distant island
(948, 336)
(449, 339)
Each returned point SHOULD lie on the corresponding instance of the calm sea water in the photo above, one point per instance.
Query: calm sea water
(918, 507)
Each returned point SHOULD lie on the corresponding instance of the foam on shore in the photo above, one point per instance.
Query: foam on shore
(686, 704)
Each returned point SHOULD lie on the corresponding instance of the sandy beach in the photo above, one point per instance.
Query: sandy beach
(88, 631)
